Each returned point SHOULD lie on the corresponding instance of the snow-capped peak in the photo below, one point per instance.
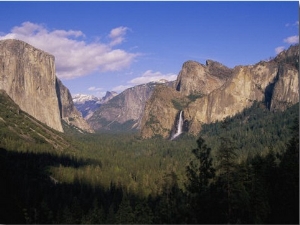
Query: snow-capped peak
(82, 98)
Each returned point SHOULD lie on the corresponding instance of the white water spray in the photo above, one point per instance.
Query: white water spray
(179, 126)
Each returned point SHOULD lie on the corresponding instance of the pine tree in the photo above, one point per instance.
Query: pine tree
(226, 156)
(125, 213)
(200, 173)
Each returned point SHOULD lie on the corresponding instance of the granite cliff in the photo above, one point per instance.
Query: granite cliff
(211, 92)
(27, 75)
(68, 111)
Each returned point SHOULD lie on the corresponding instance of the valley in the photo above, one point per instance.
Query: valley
(98, 173)
(218, 145)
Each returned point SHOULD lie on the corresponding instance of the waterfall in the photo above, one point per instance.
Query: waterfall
(179, 126)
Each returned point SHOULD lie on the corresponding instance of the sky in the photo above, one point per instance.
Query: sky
(104, 46)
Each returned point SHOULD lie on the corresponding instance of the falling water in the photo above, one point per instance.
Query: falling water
(179, 126)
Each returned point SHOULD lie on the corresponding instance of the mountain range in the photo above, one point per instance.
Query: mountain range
(205, 93)
(201, 94)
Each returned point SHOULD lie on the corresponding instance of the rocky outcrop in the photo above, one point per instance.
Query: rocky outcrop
(198, 79)
(225, 93)
(27, 74)
(124, 111)
(68, 111)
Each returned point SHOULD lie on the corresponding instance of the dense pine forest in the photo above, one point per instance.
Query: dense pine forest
(244, 169)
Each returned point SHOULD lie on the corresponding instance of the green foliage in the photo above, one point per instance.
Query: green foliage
(194, 97)
(254, 130)
(200, 174)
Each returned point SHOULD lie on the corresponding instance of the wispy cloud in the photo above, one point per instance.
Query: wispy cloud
(73, 56)
(94, 89)
(146, 77)
(289, 40)
(121, 88)
(117, 35)
(292, 24)
(150, 76)
(292, 40)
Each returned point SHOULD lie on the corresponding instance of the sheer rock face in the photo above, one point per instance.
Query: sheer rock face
(28, 76)
(68, 111)
(223, 92)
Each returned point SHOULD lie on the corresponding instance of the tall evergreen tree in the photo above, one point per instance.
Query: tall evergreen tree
(200, 173)
(226, 156)
(171, 205)
(125, 213)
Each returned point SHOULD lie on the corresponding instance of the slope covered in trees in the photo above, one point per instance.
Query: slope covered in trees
(119, 178)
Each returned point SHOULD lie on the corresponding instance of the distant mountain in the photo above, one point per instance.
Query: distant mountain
(88, 104)
(124, 111)
(27, 75)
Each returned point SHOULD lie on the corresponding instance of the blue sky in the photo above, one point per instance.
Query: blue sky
(104, 46)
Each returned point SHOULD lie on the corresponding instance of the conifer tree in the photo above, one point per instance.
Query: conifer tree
(200, 173)
(226, 156)
(125, 213)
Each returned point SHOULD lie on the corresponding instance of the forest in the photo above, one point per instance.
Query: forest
(244, 169)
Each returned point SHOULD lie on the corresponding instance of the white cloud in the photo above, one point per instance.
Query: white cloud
(94, 89)
(279, 49)
(117, 35)
(292, 39)
(121, 88)
(150, 76)
(146, 77)
(73, 56)
(293, 24)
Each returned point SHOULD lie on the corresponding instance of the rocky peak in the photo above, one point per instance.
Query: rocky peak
(82, 98)
(196, 78)
(289, 56)
(109, 95)
(217, 69)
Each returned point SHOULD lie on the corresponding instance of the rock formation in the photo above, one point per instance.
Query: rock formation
(211, 92)
(195, 78)
(28, 76)
(68, 111)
